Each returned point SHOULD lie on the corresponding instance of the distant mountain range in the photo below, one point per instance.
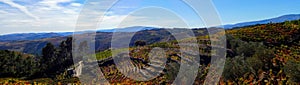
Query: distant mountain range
(129, 29)
(273, 20)
(32, 36)
(35, 36)
(32, 43)
(102, 40)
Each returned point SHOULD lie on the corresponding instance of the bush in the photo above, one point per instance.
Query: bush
(292, 70)
(235, 68)
(254, 64)
(249, 49)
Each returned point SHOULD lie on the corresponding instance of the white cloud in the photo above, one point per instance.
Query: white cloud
(54, 17)
(117, 20)
(3, 12)
(20, 7)
(53, 4)
(57, 18)
(75, 4)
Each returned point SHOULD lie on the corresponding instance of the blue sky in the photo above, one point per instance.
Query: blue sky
(23, 16)
(234, 11)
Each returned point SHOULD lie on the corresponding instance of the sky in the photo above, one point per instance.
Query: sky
(26, 16)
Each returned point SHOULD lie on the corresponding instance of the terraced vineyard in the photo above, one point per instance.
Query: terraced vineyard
(266, 49)
(166, 72)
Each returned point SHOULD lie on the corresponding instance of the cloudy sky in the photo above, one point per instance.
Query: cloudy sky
(23, 16)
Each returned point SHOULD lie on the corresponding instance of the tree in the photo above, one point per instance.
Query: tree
(49, 55)
(56, 60)
(65, 59)
(14, 64)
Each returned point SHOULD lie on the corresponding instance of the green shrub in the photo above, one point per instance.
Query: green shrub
(292, 70)
(235, 68)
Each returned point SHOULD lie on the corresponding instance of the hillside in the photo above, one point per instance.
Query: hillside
(260, 54)
(277, 51)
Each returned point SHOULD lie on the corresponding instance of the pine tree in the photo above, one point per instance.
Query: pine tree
(47, 62)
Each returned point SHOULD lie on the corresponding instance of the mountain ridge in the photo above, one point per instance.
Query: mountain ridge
(128, 29)
(279, 19)
(35, 36)
(32, 36)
